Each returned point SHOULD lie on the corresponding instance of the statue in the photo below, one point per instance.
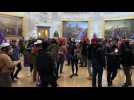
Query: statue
(56, 34)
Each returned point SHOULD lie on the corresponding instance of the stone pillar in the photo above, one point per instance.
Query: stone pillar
(55, 23)
(97, 25)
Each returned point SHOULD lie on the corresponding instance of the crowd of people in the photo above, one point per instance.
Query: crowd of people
(46, 59)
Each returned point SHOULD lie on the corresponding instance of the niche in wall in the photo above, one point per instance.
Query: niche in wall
(43, 31)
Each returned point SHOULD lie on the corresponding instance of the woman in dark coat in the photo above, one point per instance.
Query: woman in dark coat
(126, 61)
(113, 62)
(46, 68)
(98, 62)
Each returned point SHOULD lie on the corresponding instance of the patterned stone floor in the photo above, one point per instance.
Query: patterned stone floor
(25, 78)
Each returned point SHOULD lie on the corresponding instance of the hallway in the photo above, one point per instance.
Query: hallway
(25, 78)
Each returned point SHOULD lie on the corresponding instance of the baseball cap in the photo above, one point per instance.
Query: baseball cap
(35, 43)
(39, 41)
(5, 45)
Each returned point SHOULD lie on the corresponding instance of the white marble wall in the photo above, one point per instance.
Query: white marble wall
(54, 20)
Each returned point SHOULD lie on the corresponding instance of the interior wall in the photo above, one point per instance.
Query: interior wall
(71, 17)
(117, 16)
(54, 20)
(25, 20)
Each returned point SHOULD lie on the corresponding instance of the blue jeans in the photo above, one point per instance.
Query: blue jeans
(69, 58)
(55, 68)
(60, 65)
(89, 67)
(74, 64)
(97, 70)
(84, 61)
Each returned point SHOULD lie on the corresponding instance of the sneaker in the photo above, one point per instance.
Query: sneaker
(90, 78)
(12, 78)
(99, 85)
(16, 77)
(14, 81)
(71, 75)
(110, 84)
(126, 85)
(58, 85)
(76, 74)
(61, 72)
(59, 77)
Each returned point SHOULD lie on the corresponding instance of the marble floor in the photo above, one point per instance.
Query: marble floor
(25, 78)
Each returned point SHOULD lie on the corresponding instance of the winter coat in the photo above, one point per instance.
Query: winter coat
(45, 67)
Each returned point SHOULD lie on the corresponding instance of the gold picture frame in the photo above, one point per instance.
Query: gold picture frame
(11, 26)
(115, 19)
(75, 20)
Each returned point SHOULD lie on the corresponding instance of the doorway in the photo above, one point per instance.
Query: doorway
(43, 31)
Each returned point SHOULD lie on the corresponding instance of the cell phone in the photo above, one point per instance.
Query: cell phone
(116, 50)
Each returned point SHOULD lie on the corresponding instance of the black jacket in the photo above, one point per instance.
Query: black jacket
(89, 51)
(126, 55)
(98, 55)
(94, 55)
(101, 55)
(113, 59)
(46, 67)
(84, 49)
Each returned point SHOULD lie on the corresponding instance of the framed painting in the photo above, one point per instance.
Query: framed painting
(119, 28)
(10, 26)
(75, 29)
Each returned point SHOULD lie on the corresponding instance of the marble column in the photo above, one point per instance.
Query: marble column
(97, 25)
